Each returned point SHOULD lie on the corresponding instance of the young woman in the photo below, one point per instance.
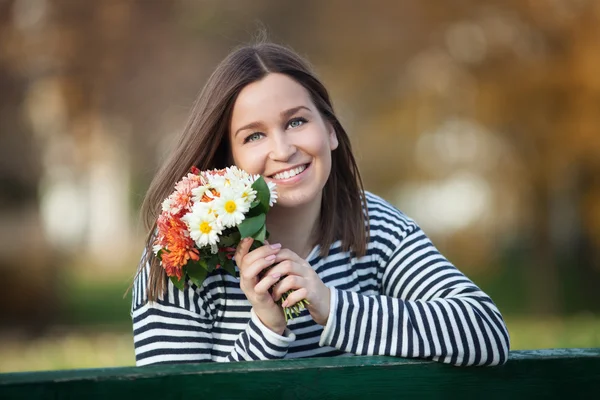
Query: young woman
(375, 283)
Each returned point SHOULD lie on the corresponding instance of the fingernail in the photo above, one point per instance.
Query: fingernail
(275, 276)
(276, 246)
(284, 304)
(271, 257)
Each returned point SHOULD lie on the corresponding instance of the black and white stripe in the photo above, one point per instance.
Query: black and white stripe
(403, 298)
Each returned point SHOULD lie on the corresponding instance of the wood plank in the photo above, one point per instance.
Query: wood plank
(554, 373)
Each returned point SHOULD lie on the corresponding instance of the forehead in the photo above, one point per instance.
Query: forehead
(270, 95)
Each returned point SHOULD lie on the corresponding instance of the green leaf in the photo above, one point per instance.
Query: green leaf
(262, 234)
(263, 194)
(221, 257)
(250, 226)
(229, 268)
(178, 283)
(256, 210)
(212, 262)
(230, 240)
(197, 272)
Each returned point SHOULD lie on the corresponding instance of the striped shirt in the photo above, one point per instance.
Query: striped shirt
(403, 298)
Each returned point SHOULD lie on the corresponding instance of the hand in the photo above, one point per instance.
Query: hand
(251, 264)
(305, 283)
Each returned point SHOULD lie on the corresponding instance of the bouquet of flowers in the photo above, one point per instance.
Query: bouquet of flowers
(204, 220)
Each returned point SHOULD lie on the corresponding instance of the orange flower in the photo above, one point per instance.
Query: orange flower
(179, 247)
(174, 260)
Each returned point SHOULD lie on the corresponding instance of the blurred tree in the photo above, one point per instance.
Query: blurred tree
(541, 91)
(92, 93)
(27, 267)
(524, 70)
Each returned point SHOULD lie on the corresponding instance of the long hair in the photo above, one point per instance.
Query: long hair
(204, 143)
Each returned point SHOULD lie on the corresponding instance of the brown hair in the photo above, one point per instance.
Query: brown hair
(204, 143)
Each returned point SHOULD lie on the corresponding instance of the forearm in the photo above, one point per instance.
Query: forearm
(168, 334)
(165, 334)
(257, 342)
(459, 330)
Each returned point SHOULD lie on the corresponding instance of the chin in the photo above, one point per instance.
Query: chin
(288, 200)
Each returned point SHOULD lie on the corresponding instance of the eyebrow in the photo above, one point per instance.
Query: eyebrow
(284, 115)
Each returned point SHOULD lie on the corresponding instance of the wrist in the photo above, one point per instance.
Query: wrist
(320, 312)
(276, 328)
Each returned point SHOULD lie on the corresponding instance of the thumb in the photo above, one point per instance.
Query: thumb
(242, 249)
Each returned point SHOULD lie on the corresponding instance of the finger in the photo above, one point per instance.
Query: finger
(242, 249)
(265, 284)
(289, 267)
(261, 252)
(295, 297)
(287, 254)
(252, 271)
(291, 282)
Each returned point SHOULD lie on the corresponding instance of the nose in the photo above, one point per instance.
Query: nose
(282, 149)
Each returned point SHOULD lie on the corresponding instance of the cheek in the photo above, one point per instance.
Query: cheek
(320, 145)
(237, 157)
(248, 160)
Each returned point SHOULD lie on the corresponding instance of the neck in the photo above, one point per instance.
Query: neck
(295, 228)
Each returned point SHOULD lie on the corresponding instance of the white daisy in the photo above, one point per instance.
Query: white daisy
(199, 192)
(273, 193)
(238, 174)
(203, 225)
(248, 194)
(218, 182)
(231, 207)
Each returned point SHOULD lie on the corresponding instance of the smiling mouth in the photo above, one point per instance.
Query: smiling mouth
(290, 172)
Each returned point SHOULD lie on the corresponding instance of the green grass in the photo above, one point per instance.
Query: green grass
(67, 350)
(88, 300)
(535, 333)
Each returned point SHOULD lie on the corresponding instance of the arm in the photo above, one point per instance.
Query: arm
(178, 328)
(428, 309)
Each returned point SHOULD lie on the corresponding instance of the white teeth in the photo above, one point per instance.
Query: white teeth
(289, 173)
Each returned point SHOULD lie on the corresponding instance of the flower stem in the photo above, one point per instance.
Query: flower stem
(292, 311)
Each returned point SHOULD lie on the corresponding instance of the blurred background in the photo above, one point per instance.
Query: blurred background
(481, 120)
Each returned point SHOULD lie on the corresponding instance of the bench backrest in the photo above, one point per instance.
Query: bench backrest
(556, 373)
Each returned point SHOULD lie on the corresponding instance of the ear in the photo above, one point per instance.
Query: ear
(333, 141)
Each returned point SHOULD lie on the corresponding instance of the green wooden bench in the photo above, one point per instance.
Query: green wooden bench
(555, 373)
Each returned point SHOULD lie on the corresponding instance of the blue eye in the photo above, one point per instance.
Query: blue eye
(252, 137)
(296, 122)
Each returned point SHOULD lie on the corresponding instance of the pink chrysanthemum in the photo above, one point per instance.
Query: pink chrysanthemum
(181, 199)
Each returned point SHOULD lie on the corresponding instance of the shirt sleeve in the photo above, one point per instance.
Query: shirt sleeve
(427, 309)
(177, 328)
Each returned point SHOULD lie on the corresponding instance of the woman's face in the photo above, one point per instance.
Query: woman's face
(276, 131)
